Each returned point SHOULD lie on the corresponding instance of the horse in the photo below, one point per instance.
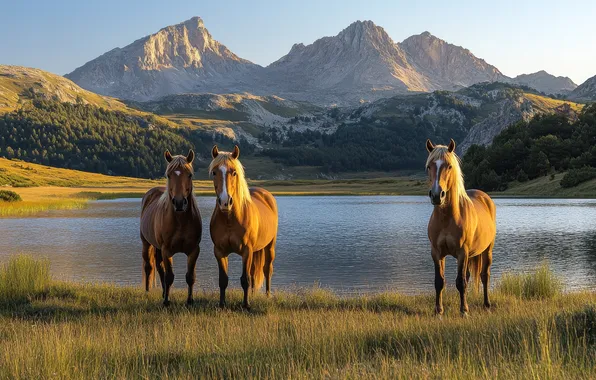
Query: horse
(463, 225)
(171, 223)
(244, 221)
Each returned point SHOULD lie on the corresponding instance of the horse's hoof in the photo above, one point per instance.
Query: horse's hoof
(465, 314)
(190, 302)
(166, 303)
(246, 307)
(222, 305)
(487, 306)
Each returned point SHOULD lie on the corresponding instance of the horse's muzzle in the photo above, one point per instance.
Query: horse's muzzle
(437, 197)
(180, 204)
(226, 204)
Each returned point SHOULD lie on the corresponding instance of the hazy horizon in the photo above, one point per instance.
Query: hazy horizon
(517, 38)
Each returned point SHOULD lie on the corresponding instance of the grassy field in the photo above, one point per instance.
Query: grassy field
(52, 329)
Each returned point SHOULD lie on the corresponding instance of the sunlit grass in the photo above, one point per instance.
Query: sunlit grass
(28, 208)
(540, 284)
(68, 330)
(23, 276)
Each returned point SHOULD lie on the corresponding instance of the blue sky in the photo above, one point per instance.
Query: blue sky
(515, 36)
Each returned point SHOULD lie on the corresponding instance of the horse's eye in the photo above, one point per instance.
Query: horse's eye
(190, 175)
(214, 172)
(449, 166)
(428, 168)
(234, 173)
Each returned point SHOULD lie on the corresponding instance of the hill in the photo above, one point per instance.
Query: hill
(542, 146)
(585, 92)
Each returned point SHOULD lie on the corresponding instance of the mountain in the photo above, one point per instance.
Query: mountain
(448, 66)
(546, 83)
(585, 91)
(177, 59)
(361, 63)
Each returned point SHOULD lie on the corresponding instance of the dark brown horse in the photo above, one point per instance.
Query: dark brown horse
(463, 225)
(244, 221)
(171, 223)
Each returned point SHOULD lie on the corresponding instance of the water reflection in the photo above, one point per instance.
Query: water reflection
(349, 244)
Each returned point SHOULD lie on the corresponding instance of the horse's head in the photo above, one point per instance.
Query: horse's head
(179, 174)
(228, 178)
(442, 167)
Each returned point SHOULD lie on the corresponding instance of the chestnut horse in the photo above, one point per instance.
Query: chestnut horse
(463, 225)
(171, 223)
(244, 221)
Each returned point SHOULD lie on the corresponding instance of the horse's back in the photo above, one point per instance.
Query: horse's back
(266, 205)
(148, 208)
(486, 212)
(265, 197)
(483, 201)
(151, 196)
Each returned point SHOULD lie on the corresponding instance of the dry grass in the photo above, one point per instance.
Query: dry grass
(68, 330)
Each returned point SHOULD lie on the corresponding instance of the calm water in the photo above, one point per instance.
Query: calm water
(348, 244)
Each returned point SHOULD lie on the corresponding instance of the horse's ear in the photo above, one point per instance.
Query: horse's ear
(236, 152)
(429, 146)
(451, 146)
(168, 156)
(214, 151)
(190, 156)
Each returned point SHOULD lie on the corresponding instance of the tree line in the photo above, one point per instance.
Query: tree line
(94, 139)
(545, 145)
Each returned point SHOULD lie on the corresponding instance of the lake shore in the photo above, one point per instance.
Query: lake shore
(70, 195)
(70, 330)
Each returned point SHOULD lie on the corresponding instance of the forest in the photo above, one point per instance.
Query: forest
(89, 138)
(543, 146)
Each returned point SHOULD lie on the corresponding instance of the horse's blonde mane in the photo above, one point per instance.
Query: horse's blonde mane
(458, 192)
(178, 162)
(242, 198)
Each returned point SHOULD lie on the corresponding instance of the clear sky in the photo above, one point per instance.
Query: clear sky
(515, 36)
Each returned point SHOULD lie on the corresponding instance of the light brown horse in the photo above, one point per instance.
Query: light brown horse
(244, 221)
(171, 223)
(463, 225)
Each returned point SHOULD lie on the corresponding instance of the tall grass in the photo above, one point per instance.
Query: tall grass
(28, 208)
(539, 284)
(101, 331)
(22, 277)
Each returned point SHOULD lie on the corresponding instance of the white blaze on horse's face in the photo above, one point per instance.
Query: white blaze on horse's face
(222, 186)
(437, 192)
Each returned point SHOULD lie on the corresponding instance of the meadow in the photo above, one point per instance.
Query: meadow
(67, 330)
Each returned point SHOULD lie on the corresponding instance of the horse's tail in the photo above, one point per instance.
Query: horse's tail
(475, 266)
(258, 263)
(150, 278)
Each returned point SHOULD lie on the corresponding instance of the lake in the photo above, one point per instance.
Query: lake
(348, 244)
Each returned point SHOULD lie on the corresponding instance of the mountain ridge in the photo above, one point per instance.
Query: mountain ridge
(360, 63)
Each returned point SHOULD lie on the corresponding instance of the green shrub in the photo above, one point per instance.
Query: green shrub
(576, 176)
(22, 277)
(9, 196)
(541, 284)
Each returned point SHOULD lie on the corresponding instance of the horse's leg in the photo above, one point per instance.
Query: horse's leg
(487, 259)
(148, 268)
(461, 283)
(191, 276)
(268, 268)
(246, 278)
(160, 271)
(222, 263)
(169, 275)
(253, 270)
(439, 282)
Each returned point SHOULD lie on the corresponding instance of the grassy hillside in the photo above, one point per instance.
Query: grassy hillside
(67, 330)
